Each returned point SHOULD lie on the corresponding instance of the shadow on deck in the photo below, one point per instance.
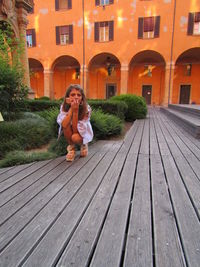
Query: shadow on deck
(129, 203)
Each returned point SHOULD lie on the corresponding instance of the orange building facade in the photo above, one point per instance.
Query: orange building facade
(149, 48)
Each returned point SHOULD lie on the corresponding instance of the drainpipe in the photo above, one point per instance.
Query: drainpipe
(83, 10)
(172, 47)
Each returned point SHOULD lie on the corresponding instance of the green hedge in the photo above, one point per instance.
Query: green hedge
(24, 134)
(22, 157)
(105, 125)
(137, 108)
(39, 105)
(51, 116)
(112, 107)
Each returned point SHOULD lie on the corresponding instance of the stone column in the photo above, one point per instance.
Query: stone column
(124, 79)
(22, 25)
(48, 83)
(169, 78)
(84, 79)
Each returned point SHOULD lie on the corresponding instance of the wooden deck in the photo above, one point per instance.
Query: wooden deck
(130, 203)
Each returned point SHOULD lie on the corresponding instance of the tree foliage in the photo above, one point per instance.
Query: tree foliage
(12, 89)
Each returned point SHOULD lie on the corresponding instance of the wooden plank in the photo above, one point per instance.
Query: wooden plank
(108, 251)
(22, 174)
(184, 148)
(59, 178)
(192, 143)
(19, 187)
(13, 171)
(139, 239)
(65, 211)
(2, 170)
(186, 217)
(188, 166)
(11, 204)
(144, 149)
(168, 249)
(79, 249)
(181, 131)
(17, 201)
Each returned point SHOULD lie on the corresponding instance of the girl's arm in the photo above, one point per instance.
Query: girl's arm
(67, 120)
(75, 109)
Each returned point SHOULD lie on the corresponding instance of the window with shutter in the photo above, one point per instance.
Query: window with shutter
(30, 38)
(148, 30)
(196, 27)
(103, 2)
(63, 4)
(148, 27)
(64, 35)
(96, 31)
(104, 31)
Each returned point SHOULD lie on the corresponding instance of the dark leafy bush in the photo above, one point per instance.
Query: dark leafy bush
(137, 108)
(24, 134)
(12, 89)
(22, 157)
(108, 106)
(38, 105)
(105, 125)
(58, 146)
(51, 115)
(43, 98)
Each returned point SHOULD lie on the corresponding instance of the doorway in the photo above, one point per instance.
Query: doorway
(110, 90)
(185, 94)
(146, 93)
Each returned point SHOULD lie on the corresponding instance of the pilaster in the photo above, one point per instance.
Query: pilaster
(84, 79)
(48, 83)
(124, 79)
(169, 78)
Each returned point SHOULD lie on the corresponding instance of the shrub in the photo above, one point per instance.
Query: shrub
(22, 157)
(112, 107)
(24, 134)
(38, 105)
(43, 98)
(58, 146)
(12, 89)
(137, 108)
(105, 125)
(51, 115)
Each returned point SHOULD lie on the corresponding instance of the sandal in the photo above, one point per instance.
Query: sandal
(71, 153)
(84, 150)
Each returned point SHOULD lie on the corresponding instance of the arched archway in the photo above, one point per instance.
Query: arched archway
(36, 77)
(66, 70)
(146, 76)
(104, 76)
(186, 87)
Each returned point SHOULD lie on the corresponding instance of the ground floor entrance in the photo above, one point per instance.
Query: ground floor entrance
(184, 94)
(147, 93)
(110, 90)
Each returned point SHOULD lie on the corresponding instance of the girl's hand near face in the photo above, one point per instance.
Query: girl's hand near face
(75, 105)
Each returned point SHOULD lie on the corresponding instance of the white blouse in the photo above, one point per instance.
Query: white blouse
(84, 126)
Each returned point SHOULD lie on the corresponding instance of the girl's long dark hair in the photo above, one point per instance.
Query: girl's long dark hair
(82, 107)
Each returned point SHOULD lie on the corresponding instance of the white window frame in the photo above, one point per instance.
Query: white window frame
(29, 40)
(196, 28)
(104, 33)
(64, 39)
(104, 2)
(148, 35)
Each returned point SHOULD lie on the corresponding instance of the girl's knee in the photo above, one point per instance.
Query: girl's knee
(76, 138)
